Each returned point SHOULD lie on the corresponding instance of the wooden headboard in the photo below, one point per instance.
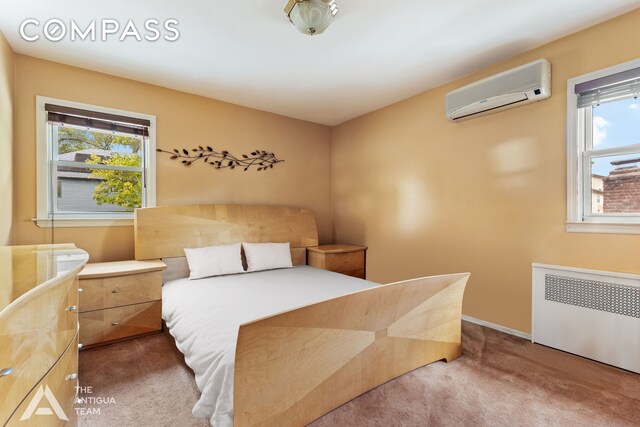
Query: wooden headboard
(164, 232)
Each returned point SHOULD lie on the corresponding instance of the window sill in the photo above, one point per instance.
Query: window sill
(603, 228)
(83, 222)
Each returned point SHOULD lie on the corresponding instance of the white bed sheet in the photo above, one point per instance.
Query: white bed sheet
(204, 316)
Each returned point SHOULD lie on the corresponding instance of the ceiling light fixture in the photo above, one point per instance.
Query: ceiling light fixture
(311, 16)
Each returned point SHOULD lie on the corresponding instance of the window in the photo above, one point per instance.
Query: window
(603, 147)
(95, 165)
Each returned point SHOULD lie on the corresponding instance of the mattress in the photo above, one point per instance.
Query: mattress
(204, 317)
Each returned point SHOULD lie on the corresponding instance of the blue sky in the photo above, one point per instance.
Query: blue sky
(615, 124)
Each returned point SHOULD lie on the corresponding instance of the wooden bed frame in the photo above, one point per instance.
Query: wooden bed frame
(293, 367)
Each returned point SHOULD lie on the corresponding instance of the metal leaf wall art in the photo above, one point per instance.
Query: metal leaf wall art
(259, 159)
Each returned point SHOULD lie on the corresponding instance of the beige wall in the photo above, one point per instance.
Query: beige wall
(6, 142)
(486, 196)
(183, 120)
(428, 196)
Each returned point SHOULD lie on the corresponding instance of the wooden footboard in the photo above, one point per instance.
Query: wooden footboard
(296, 366)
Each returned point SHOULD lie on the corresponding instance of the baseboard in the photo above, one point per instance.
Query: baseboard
(497, 327)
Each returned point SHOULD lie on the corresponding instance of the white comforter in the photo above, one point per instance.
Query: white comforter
(204, 316)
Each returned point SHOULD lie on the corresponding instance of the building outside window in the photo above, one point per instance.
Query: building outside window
(604, 151)
(99, 164)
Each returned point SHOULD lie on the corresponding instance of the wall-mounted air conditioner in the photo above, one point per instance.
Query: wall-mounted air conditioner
(512, 88)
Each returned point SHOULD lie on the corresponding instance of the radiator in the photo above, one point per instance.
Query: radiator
(595, 314)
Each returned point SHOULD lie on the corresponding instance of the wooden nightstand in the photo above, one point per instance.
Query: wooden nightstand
(345, 259)
(120, 300)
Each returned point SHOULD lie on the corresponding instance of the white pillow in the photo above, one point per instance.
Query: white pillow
(214, 261)
(267, 256)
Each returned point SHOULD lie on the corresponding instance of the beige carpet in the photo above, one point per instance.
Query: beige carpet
(499, 381)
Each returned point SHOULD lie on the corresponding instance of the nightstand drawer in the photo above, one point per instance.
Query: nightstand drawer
(109, 292)
(116, 323)
(340, 258)
(355, 273)
(343, 262)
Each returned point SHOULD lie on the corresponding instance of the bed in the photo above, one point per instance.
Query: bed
(204, 317)
(284, 347)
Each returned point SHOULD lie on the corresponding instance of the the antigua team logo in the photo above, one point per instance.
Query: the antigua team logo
(34, 408)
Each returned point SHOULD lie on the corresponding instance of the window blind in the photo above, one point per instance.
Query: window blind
(614, 87)
(97, 120)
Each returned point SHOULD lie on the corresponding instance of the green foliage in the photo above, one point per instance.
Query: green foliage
(74, 139)
(121, 188)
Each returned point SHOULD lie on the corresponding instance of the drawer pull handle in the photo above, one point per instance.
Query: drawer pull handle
(80, 290)
(5, 372)
(71, 377)
(73, 308)
(115, 291)
(80, 345)
(115, 323)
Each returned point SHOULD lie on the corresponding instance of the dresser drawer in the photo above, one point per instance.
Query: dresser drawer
(110, 292)
(62, 380)
(348, 261)
(116, 323)
(33, 336)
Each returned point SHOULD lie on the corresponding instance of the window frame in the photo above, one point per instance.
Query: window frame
(579, 152)
(89, 219)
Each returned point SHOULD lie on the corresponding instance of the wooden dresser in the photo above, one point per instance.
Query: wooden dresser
(345, 259)
(120, 300)
(38, 332)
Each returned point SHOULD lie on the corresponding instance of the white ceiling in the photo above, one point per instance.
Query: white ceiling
(246, 52)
